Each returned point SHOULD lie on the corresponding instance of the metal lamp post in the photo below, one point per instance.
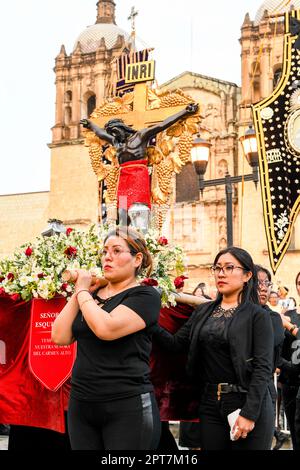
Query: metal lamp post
(200, 156)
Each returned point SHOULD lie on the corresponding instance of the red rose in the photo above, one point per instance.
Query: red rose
(2, 278)
(70, 251)
(15, 297)
(2, 292)
(41, 275)
(68, 231)
(162, 241)
(149, 282)
(179, 281)
(10, 276)
(28, 251)
(64, 286)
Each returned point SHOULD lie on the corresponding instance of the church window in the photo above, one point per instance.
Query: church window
(68, 96)
(68, 115)
(66, 133)
(187, 186)
(256, 91)
(222, 168)
(277, 76)
(91, 104)
(255, 78)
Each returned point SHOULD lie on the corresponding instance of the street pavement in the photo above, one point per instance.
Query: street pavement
(4, 443)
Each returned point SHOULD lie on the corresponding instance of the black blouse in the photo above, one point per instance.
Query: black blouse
(215, 359)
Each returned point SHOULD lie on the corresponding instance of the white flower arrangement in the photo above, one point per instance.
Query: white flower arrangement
(35, 269)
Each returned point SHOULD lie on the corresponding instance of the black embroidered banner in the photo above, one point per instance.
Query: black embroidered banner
(277, 125)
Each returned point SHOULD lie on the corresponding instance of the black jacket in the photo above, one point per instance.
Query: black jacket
(250, 335)
(289, 360)
(278, 331)
(278, 334)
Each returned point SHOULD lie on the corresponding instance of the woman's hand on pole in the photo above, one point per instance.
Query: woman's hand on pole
(84, 280)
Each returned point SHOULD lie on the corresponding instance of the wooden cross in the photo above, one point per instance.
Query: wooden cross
(131, 17)
(141, 117)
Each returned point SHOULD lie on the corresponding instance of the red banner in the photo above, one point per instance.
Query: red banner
(24, 400)
(177, 397)
(49, 363)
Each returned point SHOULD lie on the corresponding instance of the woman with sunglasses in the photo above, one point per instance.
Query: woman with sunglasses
(112, 405)
(230, 351)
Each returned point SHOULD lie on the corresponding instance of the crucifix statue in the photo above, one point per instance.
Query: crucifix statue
(129, 126)
(130, 146)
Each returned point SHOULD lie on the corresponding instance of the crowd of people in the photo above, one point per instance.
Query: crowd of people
(235, 343)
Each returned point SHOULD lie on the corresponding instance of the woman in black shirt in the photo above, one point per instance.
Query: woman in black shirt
(112, 406)
(230, 351)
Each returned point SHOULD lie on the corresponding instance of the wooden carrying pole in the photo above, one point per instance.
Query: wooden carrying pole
(70, 275)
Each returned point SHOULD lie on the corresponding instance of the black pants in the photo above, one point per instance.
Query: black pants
(189, 435)
(215, 430)
(128, 424)
(289, 393)
(167, 441)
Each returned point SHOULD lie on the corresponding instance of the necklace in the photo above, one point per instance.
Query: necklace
(222, 312)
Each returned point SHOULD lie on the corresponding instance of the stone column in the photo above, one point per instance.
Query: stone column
(246, 75)
(59, 105)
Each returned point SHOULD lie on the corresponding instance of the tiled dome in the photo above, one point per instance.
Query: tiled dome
(272, 7)
(90, 38)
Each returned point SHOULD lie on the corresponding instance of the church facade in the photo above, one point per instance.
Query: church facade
(195, 221)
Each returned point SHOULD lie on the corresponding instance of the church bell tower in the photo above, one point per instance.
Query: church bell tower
(82, 79)
(106, 11)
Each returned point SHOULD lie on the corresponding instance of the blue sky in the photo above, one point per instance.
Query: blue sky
(195, 35)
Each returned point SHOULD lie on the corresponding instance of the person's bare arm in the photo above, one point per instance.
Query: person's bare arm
(286, 322)
(122, 321)
(101, 133)
(62, 326)
(153, 130)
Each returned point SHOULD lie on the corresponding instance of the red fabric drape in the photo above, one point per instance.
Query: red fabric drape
(176, 395)
(134, 184)
(23, 400)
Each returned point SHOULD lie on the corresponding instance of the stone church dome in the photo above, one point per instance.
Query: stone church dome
(91, 37)
(275, 6)
(105, 28)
